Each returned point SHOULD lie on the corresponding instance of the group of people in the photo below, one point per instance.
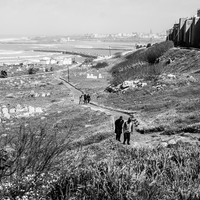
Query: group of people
(85, 98)
(125, 127)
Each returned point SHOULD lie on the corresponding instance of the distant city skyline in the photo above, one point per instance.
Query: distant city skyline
(69, 17)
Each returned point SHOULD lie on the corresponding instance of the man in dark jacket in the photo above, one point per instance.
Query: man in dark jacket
(118, 127)
(85, 98)
(88, 98)
(127, 130)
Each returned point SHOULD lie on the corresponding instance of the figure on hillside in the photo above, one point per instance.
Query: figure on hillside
(118, 128)
(127, 130)
(88, 98)
(85, 98)
(80, 99)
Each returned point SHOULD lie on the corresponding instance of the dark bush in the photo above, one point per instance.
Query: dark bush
(148, 45)
(118, 55)
(32, 70)
(3, 74)
(157, 50)
(100, 65)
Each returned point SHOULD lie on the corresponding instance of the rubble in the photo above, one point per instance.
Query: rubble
(19, 111)
(138, 83)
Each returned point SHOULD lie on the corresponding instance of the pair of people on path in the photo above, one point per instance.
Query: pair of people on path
(125, 127)
(85, 98)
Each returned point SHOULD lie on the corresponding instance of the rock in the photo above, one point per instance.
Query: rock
(171, 76)
(7, 115)
(43, 95)
(37, 95)
(5, 110)
(10, 95)
(38, 110)
(31, 109)
(12, 110)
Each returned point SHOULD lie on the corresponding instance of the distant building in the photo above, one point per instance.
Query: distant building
(53, 61)
(45, 61)
(68, 61)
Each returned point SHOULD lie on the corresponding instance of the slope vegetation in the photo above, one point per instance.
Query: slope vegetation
(170, 98)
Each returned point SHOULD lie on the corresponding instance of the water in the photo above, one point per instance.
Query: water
(22, 48)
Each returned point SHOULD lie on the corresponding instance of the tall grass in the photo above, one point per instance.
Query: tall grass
(38, 167)
(143, 174)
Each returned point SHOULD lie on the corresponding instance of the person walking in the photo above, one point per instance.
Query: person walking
(80, 99)
(118, 128)
(85, 98)
(88, 98)
(127, 130)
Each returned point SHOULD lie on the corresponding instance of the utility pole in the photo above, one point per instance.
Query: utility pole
(68, 73)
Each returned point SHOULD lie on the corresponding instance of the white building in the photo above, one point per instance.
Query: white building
(45, 61)
(67, 61)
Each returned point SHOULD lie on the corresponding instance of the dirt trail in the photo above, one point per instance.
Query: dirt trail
(137, 139)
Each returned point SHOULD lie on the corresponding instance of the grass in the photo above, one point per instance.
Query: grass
(102, 170)
(140, 64)
(79, 159)
(160, 173)
(33, 158)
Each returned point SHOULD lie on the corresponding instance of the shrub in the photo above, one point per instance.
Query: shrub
(157, 50)
(117, 55)
(32, 70)
(100, 65)
(31, 162)
(148, 45)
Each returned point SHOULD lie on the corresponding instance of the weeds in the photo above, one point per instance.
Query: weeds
(30, 160)
(32, 70)
(142, 174)
(40, 172)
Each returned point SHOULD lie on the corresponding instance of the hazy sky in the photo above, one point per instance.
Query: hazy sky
(63, 17)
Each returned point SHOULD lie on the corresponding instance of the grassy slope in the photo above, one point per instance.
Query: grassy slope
(177, 105)
(97, 167)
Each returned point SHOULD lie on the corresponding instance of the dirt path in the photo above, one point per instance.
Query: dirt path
(137, 139)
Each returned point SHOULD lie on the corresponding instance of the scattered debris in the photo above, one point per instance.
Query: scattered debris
(138, 83)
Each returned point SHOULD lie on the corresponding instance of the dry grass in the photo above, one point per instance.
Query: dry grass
(133, 174)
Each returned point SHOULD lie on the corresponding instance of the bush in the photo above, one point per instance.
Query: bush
(100, 65)
(157, 50)
(30, 163)
(32, 70)
(148, 45)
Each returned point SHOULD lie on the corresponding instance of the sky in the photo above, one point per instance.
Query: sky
(67, 17)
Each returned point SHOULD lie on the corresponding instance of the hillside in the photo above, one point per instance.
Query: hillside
(170, 98)
(69, 151)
